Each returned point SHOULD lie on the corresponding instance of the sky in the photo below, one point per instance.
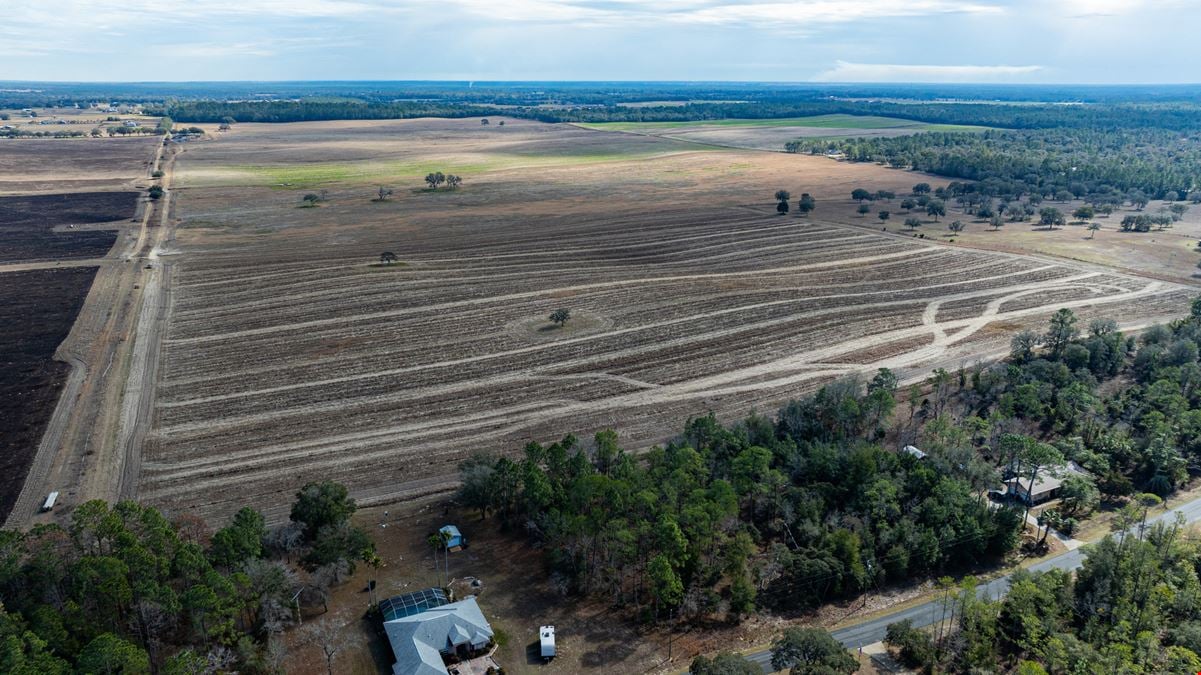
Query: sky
(1013, 41)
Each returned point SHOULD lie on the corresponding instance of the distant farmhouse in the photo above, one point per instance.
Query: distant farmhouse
(425, 630)
(1047, 483)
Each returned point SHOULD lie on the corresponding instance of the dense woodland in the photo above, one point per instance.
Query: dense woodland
(1081, 161)
(122, 589)
(811, 504)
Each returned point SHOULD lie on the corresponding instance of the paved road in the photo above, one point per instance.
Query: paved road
(872, 630)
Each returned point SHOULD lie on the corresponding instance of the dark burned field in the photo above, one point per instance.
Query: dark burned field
(37, 309)
(27, 224)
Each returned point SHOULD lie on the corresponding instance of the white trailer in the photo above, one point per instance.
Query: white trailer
(547, 638)
(49, 503)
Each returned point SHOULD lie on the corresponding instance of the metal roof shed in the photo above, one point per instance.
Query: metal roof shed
(455, 539)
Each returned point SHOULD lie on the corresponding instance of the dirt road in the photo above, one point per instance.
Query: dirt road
(78, 454)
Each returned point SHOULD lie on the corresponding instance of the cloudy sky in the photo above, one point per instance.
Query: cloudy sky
(1093, 41)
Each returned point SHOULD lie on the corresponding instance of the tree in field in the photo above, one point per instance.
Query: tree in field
(860, 195)
(885, 195)
(453, 182)
(435, 179)
(1177, 211)
(921, 189)
(1085, 212)
(1050, 216)
(956, 226)
(936, 208)
(387, 257)
(811, 650)
(782, 197)
(310, 200)
(913, 223)
(864, 209)
(996, 222)
(807, 204)
(560, 316)
(156, 191)
(382, 194)
(484, 122)
(907, 204)
(1092, 229)
(883, 216)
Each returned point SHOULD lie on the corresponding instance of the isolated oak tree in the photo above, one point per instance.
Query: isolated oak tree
(883, 216)
(782, 197)
(861, 195)
(453, 181)
(913, 223)
(864, 209)
(560, 316)
(956, 226)
(387, 257)
(807, 204)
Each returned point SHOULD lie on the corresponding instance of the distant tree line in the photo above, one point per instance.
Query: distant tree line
(1156, 161)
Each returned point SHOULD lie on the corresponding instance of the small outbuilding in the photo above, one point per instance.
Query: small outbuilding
(455, 541)
(546, 638)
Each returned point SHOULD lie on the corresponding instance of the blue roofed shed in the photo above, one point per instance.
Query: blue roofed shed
(455, 539)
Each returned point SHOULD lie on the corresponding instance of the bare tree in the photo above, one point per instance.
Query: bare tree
(326, 636)
(384, 193)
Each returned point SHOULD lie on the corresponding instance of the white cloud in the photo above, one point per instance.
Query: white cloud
(844, 71)
(786, 15)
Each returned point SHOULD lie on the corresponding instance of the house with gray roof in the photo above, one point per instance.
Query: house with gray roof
(421, 641)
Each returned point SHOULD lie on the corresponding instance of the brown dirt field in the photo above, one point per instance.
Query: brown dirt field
(37, 309)
(43, 165)
(35, 227)
(289, 355)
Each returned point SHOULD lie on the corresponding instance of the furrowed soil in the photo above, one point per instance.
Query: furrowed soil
(56, 226)
(41, 165)
(290, 353)
(37, 308)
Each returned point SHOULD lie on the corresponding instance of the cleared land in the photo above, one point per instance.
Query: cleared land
(772, 134)
(40, 165)
(37, 308)
(42, 227)
(66, 303)
(291, 355)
